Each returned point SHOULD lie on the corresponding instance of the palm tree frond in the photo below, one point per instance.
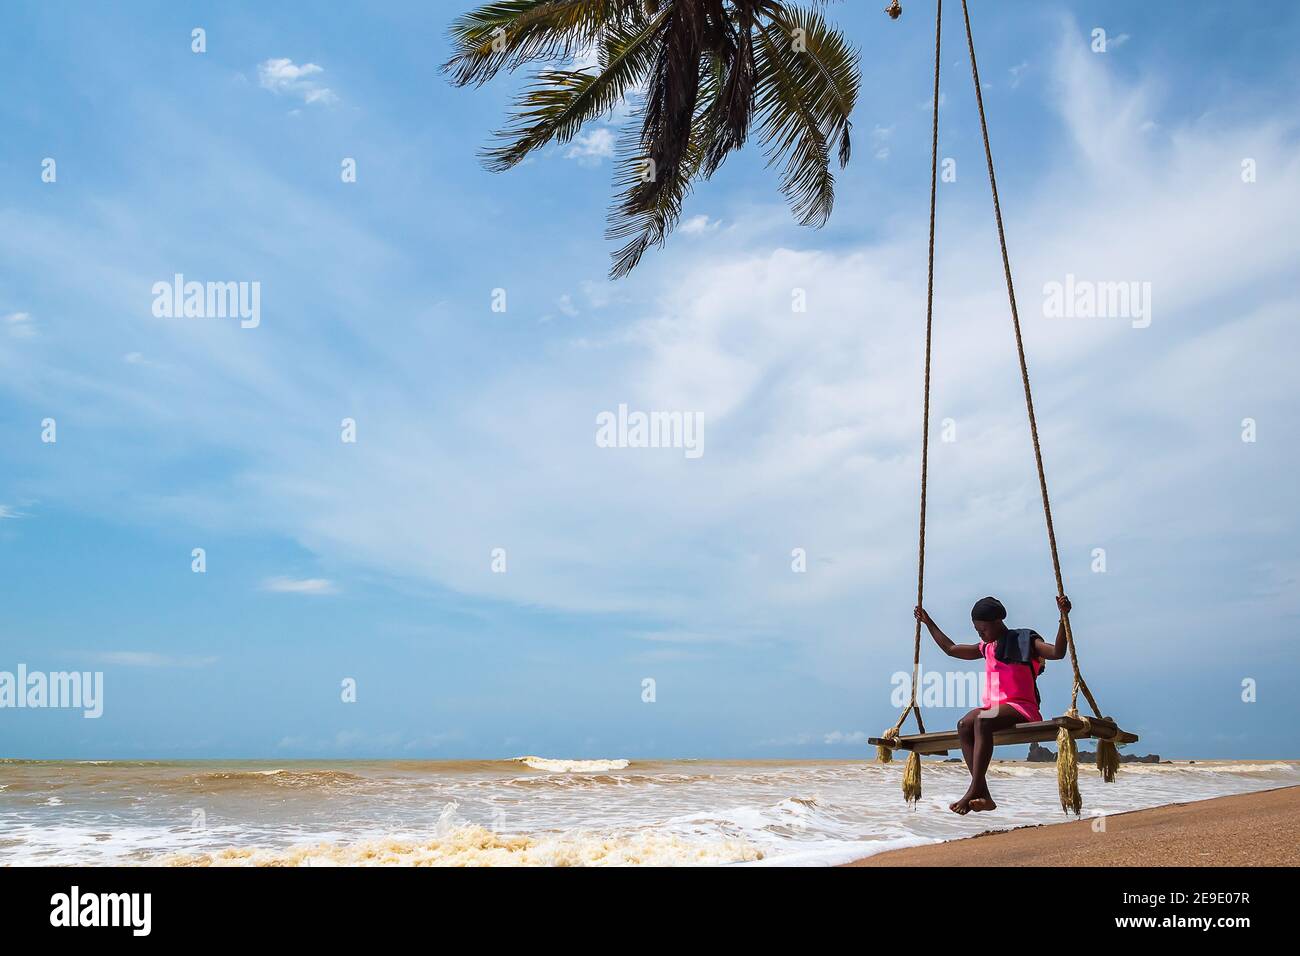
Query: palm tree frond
(734, 107)
(671, 98)
(649, 211)
(561, 101)
(507, 34)
(706, 76)
(808, 82)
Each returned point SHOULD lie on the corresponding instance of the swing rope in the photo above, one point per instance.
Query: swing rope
(1067, 758)
(912, 771)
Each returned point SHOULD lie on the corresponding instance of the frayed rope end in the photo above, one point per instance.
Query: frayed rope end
(912, 779)
(1067, 772)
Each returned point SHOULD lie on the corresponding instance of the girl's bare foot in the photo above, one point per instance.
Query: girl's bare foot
(981, 804)
(961, 807)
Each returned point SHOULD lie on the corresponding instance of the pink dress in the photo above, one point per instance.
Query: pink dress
(1010, 683)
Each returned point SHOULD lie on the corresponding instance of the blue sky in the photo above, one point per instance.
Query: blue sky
(371, 560)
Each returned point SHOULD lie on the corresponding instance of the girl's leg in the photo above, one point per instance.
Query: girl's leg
(978, 797)
(966, 734)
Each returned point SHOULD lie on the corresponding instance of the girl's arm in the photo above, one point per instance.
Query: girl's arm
(967, 652)
(1056, 651)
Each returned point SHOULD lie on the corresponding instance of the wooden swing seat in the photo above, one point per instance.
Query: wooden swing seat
(1035, 731)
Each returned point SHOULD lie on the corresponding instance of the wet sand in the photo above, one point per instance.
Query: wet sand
(1251, 829)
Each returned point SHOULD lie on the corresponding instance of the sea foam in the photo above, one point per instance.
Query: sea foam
(470, 845)
(572, 766)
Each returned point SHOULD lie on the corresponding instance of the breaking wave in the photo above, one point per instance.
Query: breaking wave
(471, 845)
(572, 766)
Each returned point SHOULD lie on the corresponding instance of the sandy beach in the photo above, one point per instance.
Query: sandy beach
(1252, 829)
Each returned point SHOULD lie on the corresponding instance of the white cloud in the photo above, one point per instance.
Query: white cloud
(151, 659)
(20, 325)
(850, 738)
(592, 147)
(880, 137)
(7, 512)
(315, 586)
(1018, 73)
(698, 225)
(284, 77)
(141, 360)
(600, 294)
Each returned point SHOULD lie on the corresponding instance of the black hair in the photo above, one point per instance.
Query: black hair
(988, 609)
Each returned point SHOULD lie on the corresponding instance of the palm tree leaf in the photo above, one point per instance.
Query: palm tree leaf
(648, 212)
(561, 101)
(734, 106)
(830, 60)
(507, 34)
(672, 94)
(805, 98)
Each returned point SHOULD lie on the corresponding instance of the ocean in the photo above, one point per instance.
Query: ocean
(537, 811)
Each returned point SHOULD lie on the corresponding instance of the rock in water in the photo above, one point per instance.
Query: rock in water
(1040, 754)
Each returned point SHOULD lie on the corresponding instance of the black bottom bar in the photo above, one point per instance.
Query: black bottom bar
(489, 906)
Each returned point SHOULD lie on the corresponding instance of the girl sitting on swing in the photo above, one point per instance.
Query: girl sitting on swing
(1013, 659)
